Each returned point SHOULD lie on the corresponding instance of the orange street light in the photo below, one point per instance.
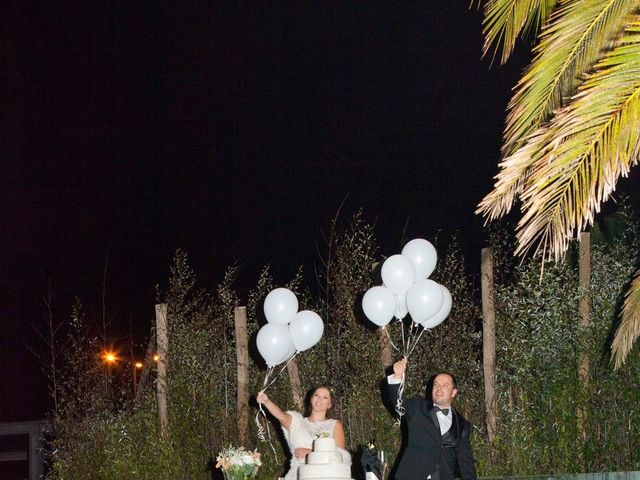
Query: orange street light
(156, 357)
(109, 358)
(139, 365)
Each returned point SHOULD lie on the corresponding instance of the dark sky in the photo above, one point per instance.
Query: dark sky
(233, 131)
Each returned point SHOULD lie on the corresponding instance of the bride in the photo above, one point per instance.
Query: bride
(300, 430)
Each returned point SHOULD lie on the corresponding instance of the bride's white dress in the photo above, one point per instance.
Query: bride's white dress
(301, 434)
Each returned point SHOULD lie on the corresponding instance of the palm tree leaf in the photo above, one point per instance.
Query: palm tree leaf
(506, 20)
(574, 40)
(580, 155)
(629, 329)
(575, 37)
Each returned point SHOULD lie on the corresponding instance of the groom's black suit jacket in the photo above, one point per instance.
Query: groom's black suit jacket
(427, 451)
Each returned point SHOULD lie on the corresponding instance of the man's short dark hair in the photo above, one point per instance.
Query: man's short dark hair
(445, 372)
(429, 383)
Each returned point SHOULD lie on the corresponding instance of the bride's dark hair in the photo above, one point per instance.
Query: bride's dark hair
(307, 400)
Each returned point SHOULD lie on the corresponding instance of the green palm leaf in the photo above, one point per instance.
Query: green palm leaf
(581, 154)
(629, 329)
(575, 38)
(506, 20)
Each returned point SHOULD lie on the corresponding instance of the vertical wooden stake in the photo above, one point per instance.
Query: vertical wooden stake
(242, 360)
(385, 353)
(584, 312)
(148, 360)
(296, 386)
(489, 341)
(162, 341)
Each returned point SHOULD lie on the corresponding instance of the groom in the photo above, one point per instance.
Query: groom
(438, 436)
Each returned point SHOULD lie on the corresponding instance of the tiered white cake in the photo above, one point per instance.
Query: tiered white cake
(325, 461)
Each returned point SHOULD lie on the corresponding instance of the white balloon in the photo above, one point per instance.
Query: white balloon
(398, 274)
(306, 330)
(379, 305)
(424, 299)
(423, 256)
(441, 314)
(274, 343)
(280, 306)
(289, 354)
(401, 306)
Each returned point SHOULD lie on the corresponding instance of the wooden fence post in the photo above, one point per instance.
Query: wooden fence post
(489, 341)
(162, 341)
(148, 359)
(385, 354)
(584, 313)
(242, 360)
(296, 386)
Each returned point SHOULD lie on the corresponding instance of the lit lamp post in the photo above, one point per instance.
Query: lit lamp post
(109, 358)
(136, 366)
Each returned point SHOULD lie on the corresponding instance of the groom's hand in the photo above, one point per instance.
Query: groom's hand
(399, 368)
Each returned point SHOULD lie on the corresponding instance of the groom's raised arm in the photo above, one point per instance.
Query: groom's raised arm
(394, 380)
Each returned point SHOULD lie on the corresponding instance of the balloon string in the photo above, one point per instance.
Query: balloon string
(399, 406)
(261, 431)
(278, 374)
(390, 341)
(266, 378)
(261, 434)
(260, 428)
(404, 345)
(416, 342)
(409, 338)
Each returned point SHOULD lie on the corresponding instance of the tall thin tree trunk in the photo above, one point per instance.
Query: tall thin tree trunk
(584, 311)
(489, 342)
(242, 361)
(163, 350)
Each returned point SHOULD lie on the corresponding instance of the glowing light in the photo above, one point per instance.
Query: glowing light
(109, 357)
(156, 357)
(139, 365)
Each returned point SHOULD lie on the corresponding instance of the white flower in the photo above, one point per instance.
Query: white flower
(247, 460)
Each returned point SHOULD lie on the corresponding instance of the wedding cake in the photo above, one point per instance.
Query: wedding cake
(324, 462)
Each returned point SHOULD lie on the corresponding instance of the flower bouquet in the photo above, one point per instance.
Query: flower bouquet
(238, 463)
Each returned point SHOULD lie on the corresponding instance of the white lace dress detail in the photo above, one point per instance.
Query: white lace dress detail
(302, 433)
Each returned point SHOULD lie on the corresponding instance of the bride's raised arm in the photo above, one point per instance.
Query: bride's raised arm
(283, 417)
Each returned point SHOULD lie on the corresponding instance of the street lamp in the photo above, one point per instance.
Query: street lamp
(136, 366)
(109, 357)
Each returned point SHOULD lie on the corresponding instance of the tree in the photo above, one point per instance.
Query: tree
(573, 124)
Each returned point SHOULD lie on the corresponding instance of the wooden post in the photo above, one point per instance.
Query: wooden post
(296, 386)
(146, 368)
(489, 342)
(584, 312)
(385, 354)
(242, 360)
(162, 341)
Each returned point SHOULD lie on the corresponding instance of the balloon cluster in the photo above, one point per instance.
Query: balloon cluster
(407, 289)
(288, 331)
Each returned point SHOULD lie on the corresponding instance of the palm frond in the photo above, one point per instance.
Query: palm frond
(506, 20)
(581, 154)
(577, 35)
(575, 38)
(629, 329)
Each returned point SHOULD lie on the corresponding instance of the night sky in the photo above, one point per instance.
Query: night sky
(232, 131)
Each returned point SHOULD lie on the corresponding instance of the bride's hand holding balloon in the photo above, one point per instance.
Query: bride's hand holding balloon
(262, 397)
